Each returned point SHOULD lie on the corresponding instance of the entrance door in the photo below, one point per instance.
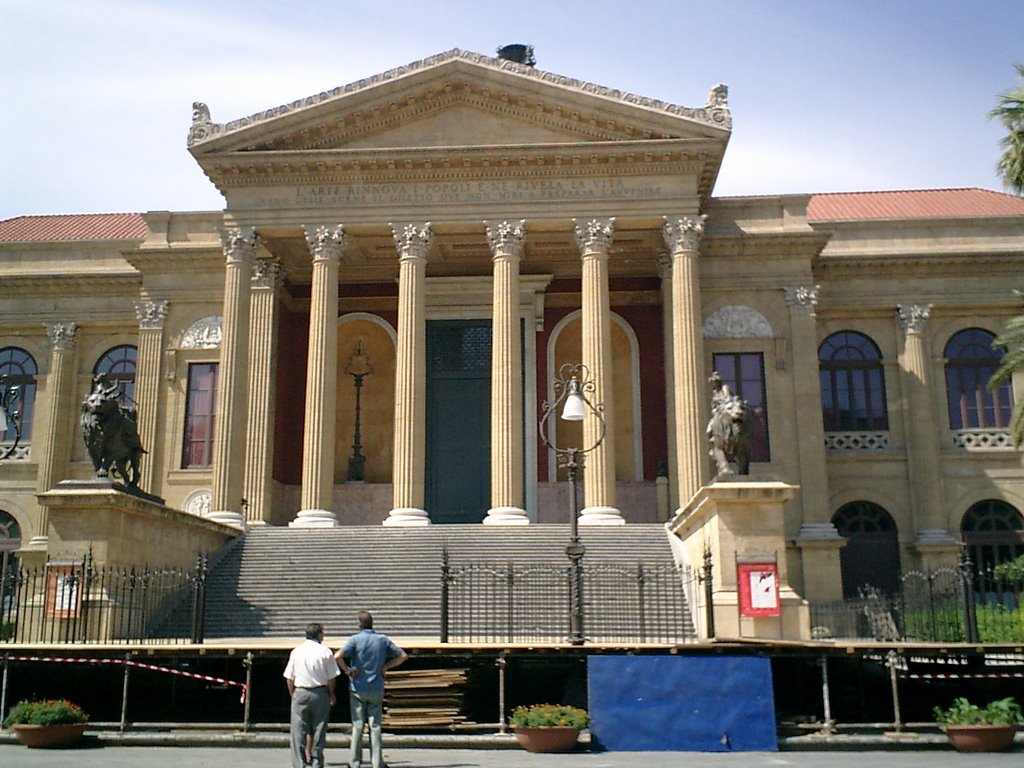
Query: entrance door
(458, 471)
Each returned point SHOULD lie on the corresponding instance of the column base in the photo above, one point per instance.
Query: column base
(407, 517)
(227, 517)
(601, 516)
(314, 518)
(506, 516)
(38, 542)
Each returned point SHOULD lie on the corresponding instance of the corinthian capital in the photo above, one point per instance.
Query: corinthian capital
(506, 237)
(412, 240)
(325, 243)
(683, 233)
(151, 314)
(802, 299)
(594, 235)
(62, 335)
(266, 273)
(913, 317)
(240, 244)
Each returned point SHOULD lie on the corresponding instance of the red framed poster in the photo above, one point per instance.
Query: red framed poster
(759, 589)
(63, 590)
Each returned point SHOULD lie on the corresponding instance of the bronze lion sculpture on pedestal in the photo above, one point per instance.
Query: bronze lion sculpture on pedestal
(730, 430)
(111, 434)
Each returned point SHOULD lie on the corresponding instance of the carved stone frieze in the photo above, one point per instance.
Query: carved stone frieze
(802, 299)
(205, 333)
(325, 242)
(412, 240)
(505, 237)
(737, 322)
(913, 317)
(151, 314)
(240, 244)
(683, 233)
(594, 235)
(62, 335)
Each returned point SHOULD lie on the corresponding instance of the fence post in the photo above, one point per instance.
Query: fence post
(641, 605)
(247, 663)
(510, 585)
(199, 600)
(967, 585)
(446, 578)
(124, 692)
(709, 591)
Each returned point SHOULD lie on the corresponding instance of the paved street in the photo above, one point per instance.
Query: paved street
(95, 755)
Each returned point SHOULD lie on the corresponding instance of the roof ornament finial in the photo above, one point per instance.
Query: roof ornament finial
(520, 53)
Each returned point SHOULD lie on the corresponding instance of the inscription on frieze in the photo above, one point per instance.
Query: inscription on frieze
(460, 192)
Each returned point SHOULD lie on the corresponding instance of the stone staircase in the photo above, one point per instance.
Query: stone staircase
(274, 580)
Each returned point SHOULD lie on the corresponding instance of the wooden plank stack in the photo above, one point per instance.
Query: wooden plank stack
(427, 698)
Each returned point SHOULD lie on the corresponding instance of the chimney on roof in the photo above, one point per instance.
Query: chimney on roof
(517, 52)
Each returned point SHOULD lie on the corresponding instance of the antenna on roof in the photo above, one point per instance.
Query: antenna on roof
(517, 52)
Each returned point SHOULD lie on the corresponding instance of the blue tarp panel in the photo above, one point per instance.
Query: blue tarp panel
(681, 703)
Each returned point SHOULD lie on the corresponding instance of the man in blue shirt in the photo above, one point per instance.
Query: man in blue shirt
(364, 659)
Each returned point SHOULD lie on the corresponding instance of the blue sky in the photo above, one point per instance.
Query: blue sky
(826, 95)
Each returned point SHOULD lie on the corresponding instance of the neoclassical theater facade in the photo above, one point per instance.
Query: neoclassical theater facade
(367, 333)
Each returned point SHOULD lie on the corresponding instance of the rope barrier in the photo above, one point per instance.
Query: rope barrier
(139, 665)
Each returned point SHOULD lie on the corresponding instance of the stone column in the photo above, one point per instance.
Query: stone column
(682, 236)
(151, 316)
(263, 320)
(672, 460)
(229, 436)
(924, 466)
(818, 539)
(413, 243)
(594, 239)
(506, 241)
(54, 445)
(326, 245)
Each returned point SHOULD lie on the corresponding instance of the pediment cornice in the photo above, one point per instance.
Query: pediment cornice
(577, 109)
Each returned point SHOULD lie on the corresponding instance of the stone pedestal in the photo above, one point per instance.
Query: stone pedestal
(740, 521)
(819, 545)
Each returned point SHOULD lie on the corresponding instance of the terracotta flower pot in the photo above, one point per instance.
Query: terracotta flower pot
(48, 735)
(981, 738)
(553, 738)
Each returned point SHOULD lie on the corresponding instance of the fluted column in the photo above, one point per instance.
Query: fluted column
(326, 245)
(682, 236)
(665, 273)
(151, 316)
(506, 241)
(54, 445)
(263, 319)
(413, 243)
(229, 436)
(594, 239)
(924, 469)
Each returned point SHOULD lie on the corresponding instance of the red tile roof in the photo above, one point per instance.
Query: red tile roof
(90, 226)
(913, 204)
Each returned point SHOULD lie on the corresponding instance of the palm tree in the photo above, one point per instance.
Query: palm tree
(1012, 340)
(1010, 113)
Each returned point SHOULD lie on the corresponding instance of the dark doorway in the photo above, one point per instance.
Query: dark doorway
(871, 556)
(458, 471)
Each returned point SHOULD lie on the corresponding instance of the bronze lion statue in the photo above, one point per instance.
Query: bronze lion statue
(730, 429)
(111, 434)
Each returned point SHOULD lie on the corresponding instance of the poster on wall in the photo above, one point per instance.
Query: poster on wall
(759, 589)
(63, 590)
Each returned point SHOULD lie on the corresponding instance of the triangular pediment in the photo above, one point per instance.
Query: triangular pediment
(460, 99)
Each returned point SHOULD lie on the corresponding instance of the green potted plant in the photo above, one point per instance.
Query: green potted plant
(971, 728)
(46, 722)
(548, 727)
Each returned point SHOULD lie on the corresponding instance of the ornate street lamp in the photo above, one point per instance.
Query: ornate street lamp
(573, 390)
(358, 368)
(10, 417)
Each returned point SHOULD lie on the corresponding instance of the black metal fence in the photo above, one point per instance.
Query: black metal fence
(499, 602)
(948, 605)
(80, 602)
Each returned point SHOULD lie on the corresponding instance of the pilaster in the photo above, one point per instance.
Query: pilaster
(594, 239)
(413, 242)
(151, 316)
(506, 242)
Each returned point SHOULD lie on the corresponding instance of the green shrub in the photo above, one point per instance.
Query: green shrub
(7, 630)
(962, 712)
(45, 712)
(540, 715)
(999, 624)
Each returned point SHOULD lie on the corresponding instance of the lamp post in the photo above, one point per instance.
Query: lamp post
(571, 388)
(10, 417)
(358, 368)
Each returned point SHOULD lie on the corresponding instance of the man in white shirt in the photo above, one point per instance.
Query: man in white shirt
(310, 676)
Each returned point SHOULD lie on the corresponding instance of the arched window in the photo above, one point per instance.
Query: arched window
(970, 362)
(20, 371)
(993, 532)
(118, 364)
(872, 552)
(852, 384)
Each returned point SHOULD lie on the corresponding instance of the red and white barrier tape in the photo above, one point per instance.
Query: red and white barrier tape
(138, 664)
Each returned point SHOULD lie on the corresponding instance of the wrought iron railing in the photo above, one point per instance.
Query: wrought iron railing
(506, 602)
(81, 602)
